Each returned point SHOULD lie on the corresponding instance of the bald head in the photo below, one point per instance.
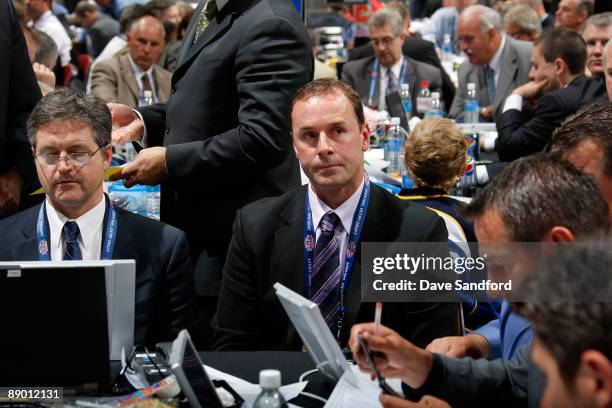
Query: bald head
(146, 41)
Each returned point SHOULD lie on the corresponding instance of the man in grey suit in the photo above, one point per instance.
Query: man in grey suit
(374, 78)
(100, 27)
(496, 63)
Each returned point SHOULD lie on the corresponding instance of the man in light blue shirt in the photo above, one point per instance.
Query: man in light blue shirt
(444, 21)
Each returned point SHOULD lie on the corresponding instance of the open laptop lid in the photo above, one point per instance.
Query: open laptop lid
(314, 332)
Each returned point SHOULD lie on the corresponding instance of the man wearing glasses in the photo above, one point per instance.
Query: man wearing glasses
(375, 78)
(70, 136)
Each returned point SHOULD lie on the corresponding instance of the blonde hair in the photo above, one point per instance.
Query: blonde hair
(436, 153)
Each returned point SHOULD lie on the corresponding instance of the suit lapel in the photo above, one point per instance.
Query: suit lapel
(289, 268)
(374, 230)
(162, 85)
(219, 25)
(123, 241)
(507, 74)
(128, 74)
(27, 250)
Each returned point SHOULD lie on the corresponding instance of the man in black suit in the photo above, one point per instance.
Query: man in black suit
(271, 237)
(225, 129)
(560, 87)
(19, 92)
(415, 48)
(70, 137)
(376, 78)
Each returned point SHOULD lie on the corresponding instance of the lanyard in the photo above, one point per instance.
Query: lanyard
(351, 247)
(108, 242)
(374, 80)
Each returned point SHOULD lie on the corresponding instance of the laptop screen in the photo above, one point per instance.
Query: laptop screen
(54, 326)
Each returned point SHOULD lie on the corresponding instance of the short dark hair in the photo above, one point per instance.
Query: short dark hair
(72, 105)
(327, 86)
(586, 6)
(157, 7)
(565, 44)
(130, 14)
(83, 7)
(593, 123)
(538, 192)
(570, 327)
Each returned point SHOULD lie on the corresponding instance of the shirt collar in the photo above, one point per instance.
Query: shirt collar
(88, 223)
(139, 71)
(396, 68)
(495, 62)
(345, 211)
(44, 16)
(221, 4)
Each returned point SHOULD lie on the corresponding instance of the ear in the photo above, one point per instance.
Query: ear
(107, 153)
(560, 66)
(365, 134)
(559, 234)
(596, 372)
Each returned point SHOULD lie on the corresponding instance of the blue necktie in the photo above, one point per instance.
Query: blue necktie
(326, 271)
(490, 80)
(71, 235)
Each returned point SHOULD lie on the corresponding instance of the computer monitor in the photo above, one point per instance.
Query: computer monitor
(314, 332)
(64, 321)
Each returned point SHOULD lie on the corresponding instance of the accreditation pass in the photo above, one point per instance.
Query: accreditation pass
(31, 394)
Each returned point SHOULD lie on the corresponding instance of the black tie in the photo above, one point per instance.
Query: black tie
(71, 235)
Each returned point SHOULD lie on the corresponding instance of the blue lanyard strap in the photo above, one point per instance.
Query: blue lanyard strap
(351, 247)
(108, 242)
(372, 103)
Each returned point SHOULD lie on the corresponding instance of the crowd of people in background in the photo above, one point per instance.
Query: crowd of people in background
(221, 94)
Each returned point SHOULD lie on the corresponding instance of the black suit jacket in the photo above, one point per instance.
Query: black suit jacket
(165, 299)
(19, 92)
(267, 247)
(226, 125)
(422, 51)
(548, 23)
(520, 135)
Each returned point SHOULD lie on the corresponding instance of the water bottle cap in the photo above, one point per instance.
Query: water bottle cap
(270, 379)
(395, 121)
(405, 87)
(148, 94)
(435, 95)
(471, 86)
(447, 37)
(424, 84)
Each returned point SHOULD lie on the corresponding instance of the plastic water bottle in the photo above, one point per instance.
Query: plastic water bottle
(471, 106)
(146, 98)
(395, 148)
(270, 397)
(436, 107)
(423, 98)
(406, 101)
(153, 202)
(447, 48)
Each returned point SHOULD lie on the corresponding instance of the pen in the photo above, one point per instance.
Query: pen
(377, 316)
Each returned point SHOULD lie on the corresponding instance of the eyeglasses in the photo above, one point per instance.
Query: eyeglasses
(385, 41)
(71, 159)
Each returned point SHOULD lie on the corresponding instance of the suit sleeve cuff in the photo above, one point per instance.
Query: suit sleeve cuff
(145, 139)
(513, 102)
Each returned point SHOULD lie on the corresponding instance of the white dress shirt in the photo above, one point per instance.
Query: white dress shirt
(138, 73)
(495, 63)
(384, 80)
(50, 25)
(345, 212)
(90, 231)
